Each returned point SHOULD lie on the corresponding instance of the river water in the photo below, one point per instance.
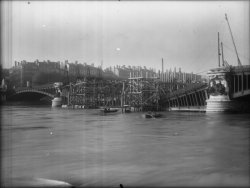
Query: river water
(86, 148)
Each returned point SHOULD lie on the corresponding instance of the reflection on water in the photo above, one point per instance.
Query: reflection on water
(87, 148)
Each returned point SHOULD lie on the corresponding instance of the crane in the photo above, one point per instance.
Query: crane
(239, 63)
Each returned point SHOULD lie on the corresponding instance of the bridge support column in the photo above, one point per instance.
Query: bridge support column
(186, 99)
(238, 76)
(242, 83)
(179, 102)
(202, 99)
(234, 83)
(198, 97)
(192, 101)
(182, 101)
(206, 95)
(247, 81)
(195, 99)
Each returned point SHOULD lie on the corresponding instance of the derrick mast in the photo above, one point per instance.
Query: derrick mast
(239, 63)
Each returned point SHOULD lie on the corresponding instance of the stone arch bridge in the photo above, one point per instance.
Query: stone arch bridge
(33, 93)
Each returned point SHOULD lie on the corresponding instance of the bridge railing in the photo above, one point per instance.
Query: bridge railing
(39, 87)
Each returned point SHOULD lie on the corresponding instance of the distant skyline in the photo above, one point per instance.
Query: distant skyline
(140, 33)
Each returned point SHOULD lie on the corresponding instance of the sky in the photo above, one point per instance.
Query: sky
(136, 33)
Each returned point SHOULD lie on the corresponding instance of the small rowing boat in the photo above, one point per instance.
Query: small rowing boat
(127, 108)
(109, 110)
(152, 115)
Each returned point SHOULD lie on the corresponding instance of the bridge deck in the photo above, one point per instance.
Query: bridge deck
(189, 89)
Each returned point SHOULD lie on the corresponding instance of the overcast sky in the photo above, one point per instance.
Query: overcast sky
(183, 33)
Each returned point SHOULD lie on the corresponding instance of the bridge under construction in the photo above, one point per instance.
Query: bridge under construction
(139, 92)
(226, 86)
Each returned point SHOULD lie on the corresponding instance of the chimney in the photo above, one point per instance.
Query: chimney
(162, 68)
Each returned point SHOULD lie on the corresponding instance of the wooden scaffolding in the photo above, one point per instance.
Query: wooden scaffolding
(92, 93)
(143, 93)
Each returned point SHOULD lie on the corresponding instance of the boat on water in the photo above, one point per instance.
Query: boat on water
(127, 108)
(152, 115)
(109, 110)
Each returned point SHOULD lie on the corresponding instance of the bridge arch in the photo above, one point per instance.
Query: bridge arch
(35, 91)
(30, 95)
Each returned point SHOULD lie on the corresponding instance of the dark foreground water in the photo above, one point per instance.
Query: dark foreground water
(86, 148)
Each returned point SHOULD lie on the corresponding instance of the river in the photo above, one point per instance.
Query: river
(86, 148)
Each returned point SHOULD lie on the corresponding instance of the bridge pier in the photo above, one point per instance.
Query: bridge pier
(229, 89)
(219, 99)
